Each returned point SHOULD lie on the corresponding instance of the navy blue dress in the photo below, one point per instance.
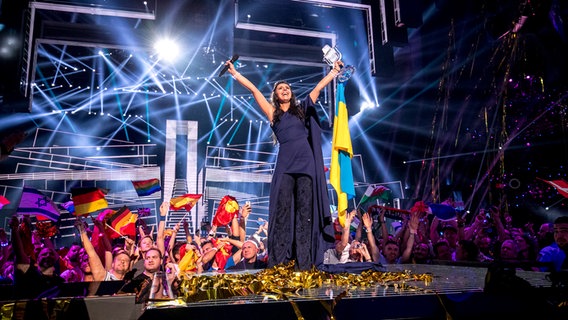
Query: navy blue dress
(300, 154)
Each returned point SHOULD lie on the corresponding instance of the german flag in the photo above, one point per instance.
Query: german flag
(123, 221)
(87, 200)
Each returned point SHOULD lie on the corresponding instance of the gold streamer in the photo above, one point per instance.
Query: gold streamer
(282, 282)
(7, 311)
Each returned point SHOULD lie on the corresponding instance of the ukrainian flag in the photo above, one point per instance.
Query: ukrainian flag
(341, 172)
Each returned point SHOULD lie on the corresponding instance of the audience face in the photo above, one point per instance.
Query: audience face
(249, 250)
(522, 244)
(208, 246)
(451, 235)
(391, 251)
(145, 244)
(46, 258)
(421, 251)
(443, 252)
(543, 230)
(483, 241)
(73, 253)
(121, 263)
(509, 250)
(561, 235)
(152, 261)
(353, 250)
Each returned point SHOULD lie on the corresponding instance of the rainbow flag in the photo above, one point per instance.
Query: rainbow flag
(187, 201)
(146, 187)
(123, 221)
(341, 172)
(87, 200)
(34, 202)
(3, 202)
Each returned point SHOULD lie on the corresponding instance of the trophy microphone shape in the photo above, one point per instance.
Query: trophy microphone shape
(233, 59)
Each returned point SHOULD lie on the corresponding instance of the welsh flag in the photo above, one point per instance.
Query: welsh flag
(375, 192)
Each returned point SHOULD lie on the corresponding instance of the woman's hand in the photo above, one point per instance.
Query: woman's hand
(338, 65)
(231, 69)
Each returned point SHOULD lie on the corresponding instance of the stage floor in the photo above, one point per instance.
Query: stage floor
(456, 292)
(452, 292)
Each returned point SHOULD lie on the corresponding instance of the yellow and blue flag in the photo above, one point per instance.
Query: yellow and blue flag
(341, 172)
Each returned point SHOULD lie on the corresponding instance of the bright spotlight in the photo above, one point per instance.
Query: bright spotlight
(166, 49)
(366, 105)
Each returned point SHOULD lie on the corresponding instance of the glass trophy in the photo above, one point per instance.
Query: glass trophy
(330, 56)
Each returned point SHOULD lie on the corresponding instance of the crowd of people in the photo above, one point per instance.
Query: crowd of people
(35, 266)
(421, 237)
(300, 228)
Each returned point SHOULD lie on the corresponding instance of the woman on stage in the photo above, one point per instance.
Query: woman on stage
(300, 224)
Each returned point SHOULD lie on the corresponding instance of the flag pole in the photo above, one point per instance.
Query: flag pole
(358, 204)
(113, 229)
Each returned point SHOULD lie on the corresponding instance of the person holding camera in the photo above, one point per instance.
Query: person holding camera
(347, 249)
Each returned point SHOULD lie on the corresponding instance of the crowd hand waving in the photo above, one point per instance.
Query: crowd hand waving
(14, 223)
(414, 222)
(480, 218)
(164, 208)
(349, 218)
(98, 223)
(129, 245)
(495, 213)
(79, 225)
(246, 210)
(367, 221)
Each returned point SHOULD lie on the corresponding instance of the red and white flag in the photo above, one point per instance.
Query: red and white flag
(560, 185)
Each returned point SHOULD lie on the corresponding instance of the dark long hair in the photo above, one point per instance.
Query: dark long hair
(294, 105)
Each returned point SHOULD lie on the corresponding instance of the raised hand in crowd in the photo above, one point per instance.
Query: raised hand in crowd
(368, 228)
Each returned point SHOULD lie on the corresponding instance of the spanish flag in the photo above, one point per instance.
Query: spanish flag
(87, 200)
(123, 221)
(146, 187)
(187, 201)
(227, 210)
(341, 172)
(223, 254)
(188, 262)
